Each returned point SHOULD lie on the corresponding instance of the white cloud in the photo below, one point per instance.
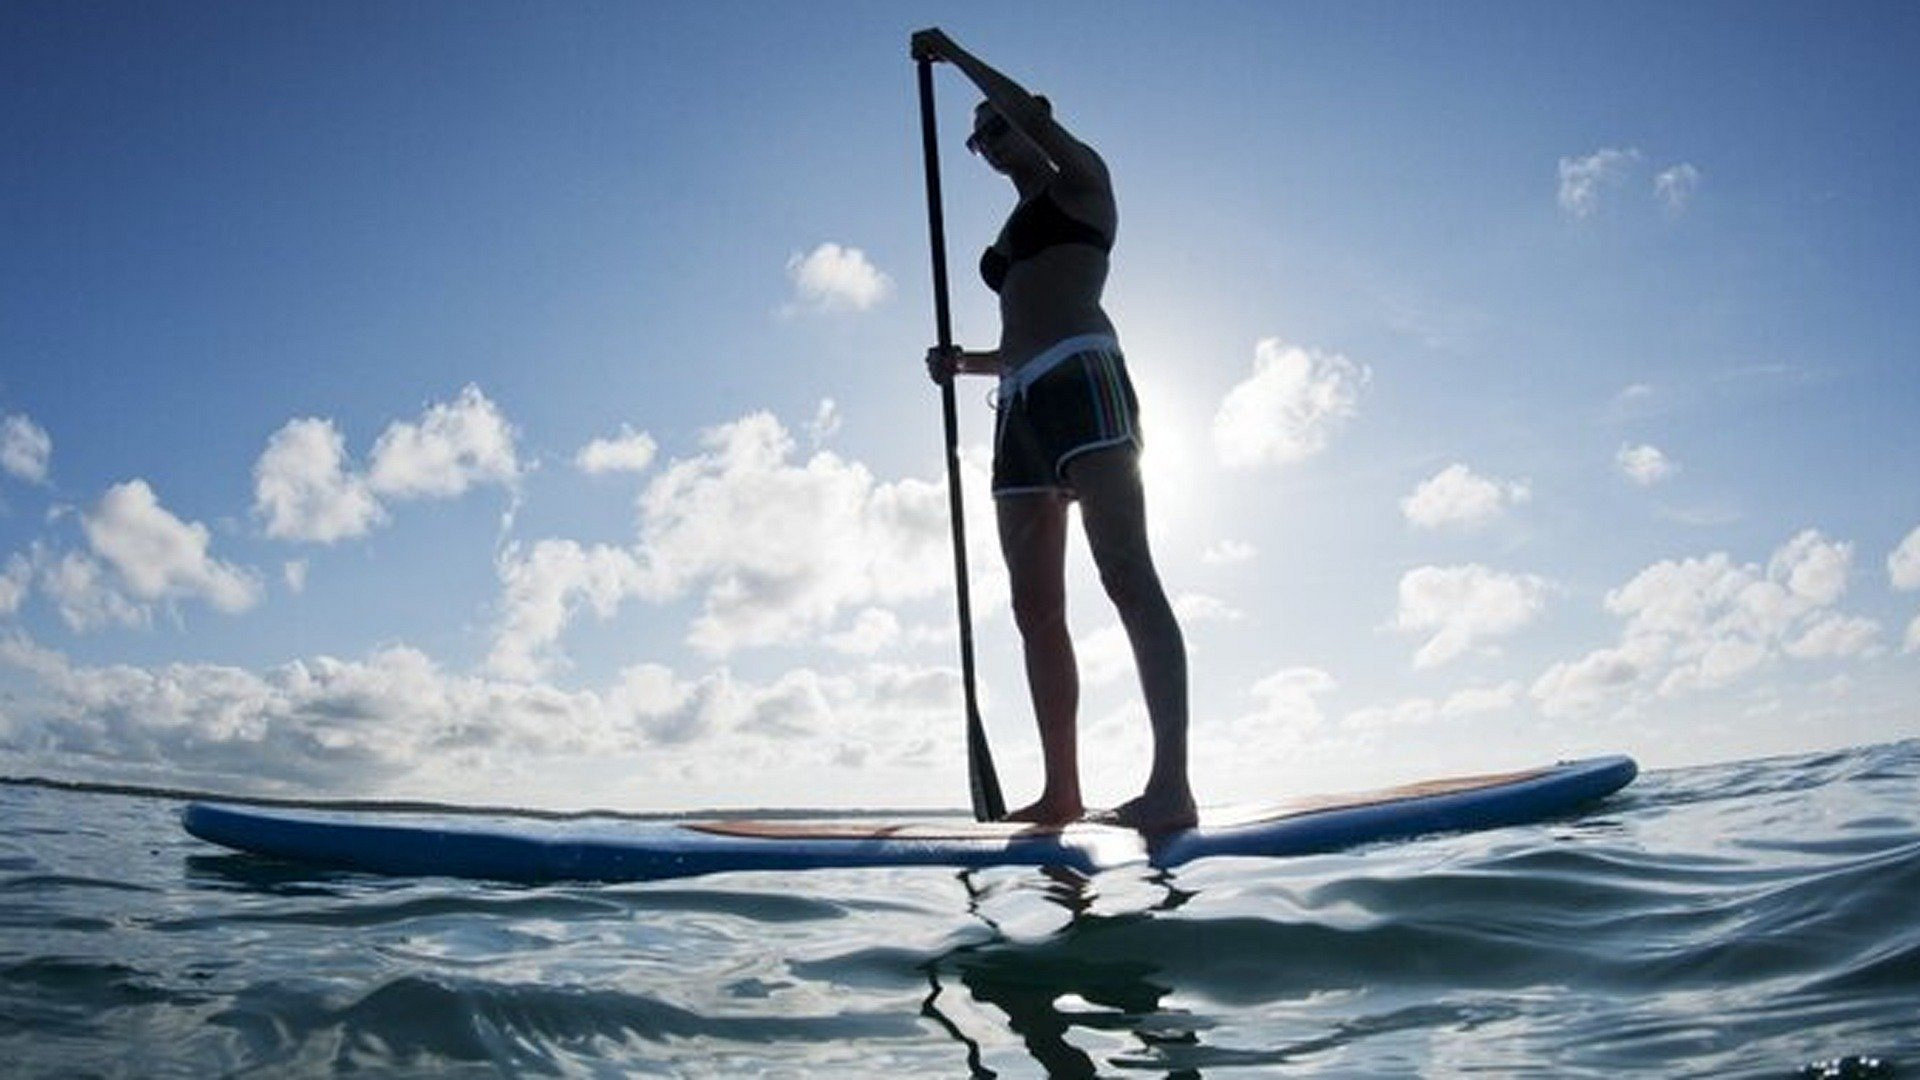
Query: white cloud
(1457, 496)
(303, 489)
(160, 557)
(1702, 623)
(1463, 606)
(1832, 634)
(25, 448)
(834, 278)
(323, 725)
(294, 572)
(1579, 685)
(1287, 706)
(630, 451)
(85, 595)
(542, 588)
(1644, 465)
(873, 630)
(1228, 553)
(781, 546)
(396, 722)
(15, 580)
(453, 446)
(1675, 186)
(1912, 643)
(1903, 564)
(778, 548)
(826, 422)
(1288, 409)
(1583, 180)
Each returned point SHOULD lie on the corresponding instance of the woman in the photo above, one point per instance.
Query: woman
(1067, 429)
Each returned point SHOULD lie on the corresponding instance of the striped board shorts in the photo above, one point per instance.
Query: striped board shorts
(1070, 400)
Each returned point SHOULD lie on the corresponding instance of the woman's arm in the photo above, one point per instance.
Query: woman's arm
(1021, 109)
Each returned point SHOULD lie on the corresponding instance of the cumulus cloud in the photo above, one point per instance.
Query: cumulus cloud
(397, 721)
(1674, 187)
(1644, 465)
(323, 724)
(1831, 634)
(1287, 700)
(833, 278)
(545, 586)
(1456, 495)
(629, 451)
(85, 595)
(1701, 623)
(781, 546)
(15, 580)
(159, 557)
(1288, 409)
(1583, 180)
(25, 448)
(1903, 564)
(303, 489)
(873, 630)
(452, 447)
(1463, 606)
(777, 547)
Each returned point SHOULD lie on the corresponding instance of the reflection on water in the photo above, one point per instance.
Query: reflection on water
(1046, 990)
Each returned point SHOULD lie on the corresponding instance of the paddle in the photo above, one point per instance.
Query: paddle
(983, 785)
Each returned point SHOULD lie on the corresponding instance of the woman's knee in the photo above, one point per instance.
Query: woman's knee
(1130, 582)
(1039, 610)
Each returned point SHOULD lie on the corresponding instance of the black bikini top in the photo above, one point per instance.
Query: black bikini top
(1035, 226)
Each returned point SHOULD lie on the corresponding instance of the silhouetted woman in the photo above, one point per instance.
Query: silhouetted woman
(1067, 430)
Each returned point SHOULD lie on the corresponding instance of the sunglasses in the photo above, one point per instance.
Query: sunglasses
(992, 129)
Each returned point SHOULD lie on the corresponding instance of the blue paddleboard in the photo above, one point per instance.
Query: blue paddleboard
(612, 849)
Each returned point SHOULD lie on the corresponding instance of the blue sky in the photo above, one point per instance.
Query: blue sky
(1521, 381)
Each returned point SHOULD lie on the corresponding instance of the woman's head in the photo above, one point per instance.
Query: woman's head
(999, 142)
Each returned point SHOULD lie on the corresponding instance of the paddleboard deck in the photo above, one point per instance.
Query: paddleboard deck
(609, 849)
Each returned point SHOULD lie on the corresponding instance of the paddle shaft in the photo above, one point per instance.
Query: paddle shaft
(983, 785)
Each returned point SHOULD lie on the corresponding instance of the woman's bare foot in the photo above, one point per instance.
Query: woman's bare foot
(1153, 813)
(1049, 811)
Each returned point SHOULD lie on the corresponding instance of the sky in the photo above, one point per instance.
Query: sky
(523, 404)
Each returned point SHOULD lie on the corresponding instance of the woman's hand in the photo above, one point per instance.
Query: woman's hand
(943, 364)
(932, 44)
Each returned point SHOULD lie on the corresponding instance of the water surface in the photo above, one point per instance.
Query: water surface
(1745, 920)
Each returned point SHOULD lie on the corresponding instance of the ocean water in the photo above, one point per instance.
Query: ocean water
(1756, 919)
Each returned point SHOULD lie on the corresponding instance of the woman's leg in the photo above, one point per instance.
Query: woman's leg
(1033, 538)
(1113, 508)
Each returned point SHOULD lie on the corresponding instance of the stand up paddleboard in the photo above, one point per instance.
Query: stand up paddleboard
(607, 849)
